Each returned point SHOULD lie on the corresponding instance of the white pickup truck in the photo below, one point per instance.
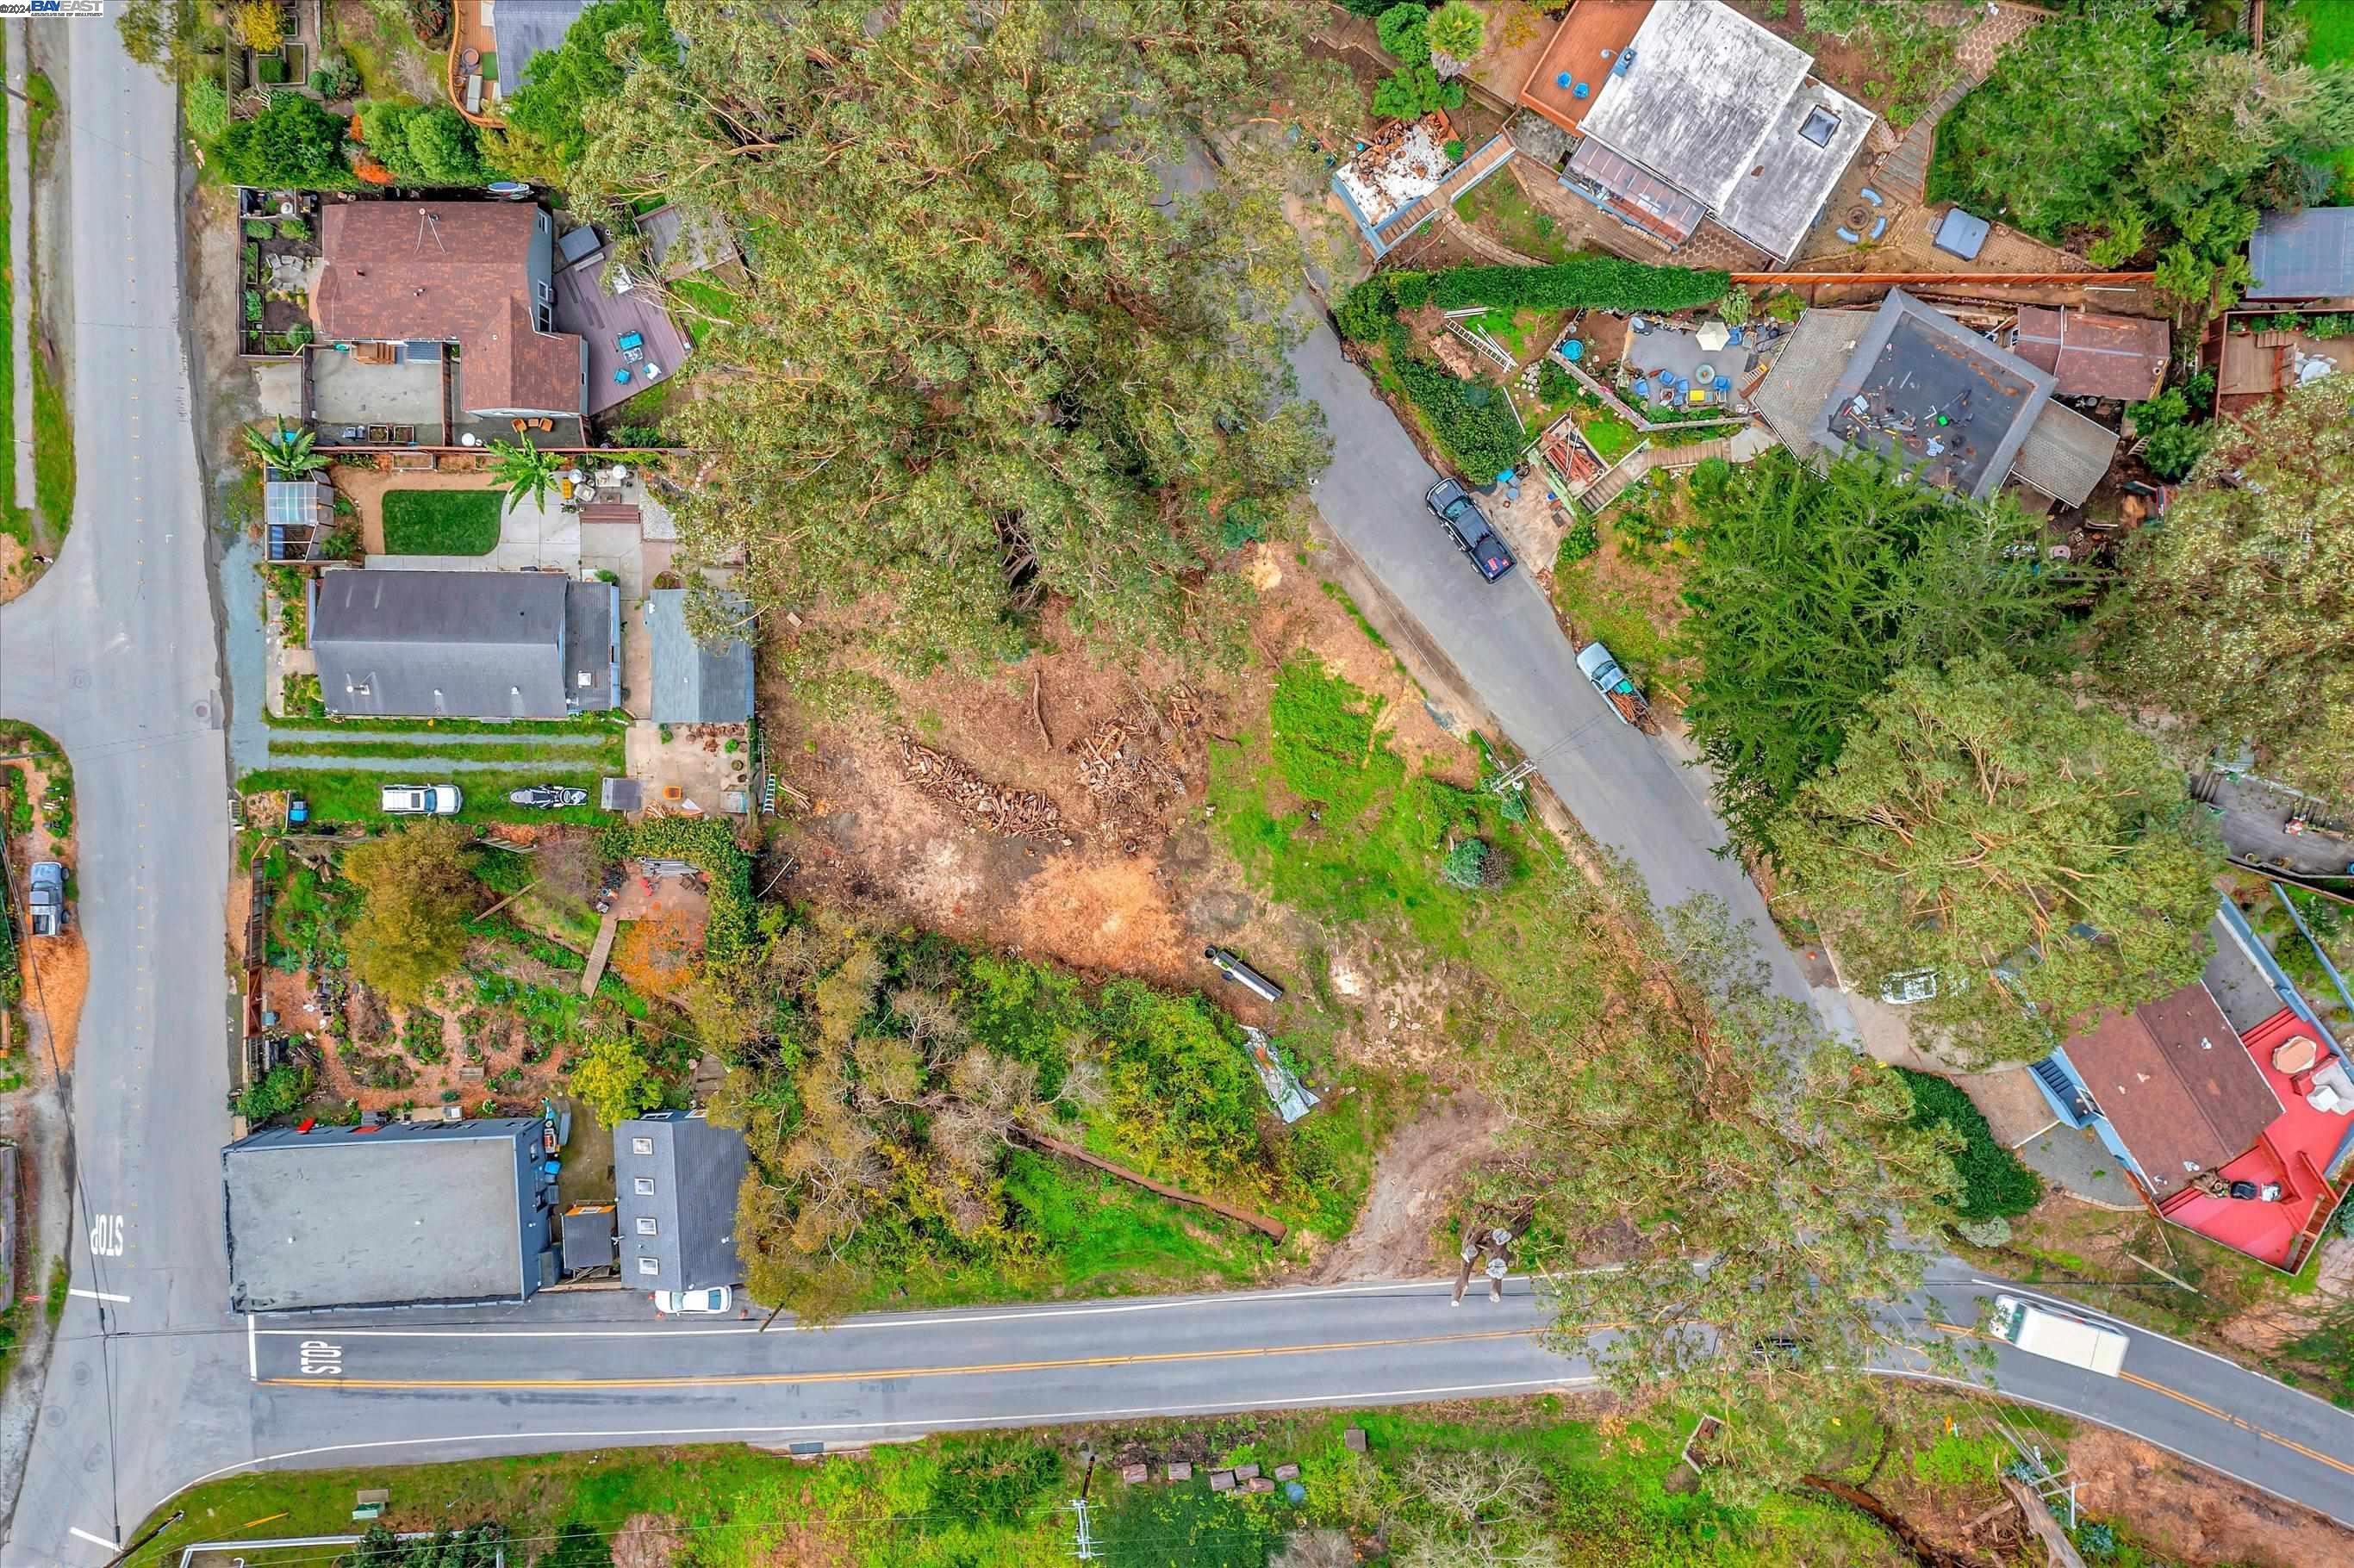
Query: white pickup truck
(2060, 1336)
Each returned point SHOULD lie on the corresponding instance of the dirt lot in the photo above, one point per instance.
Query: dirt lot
(1414, 1178)
(1142, 889)
(2197, 1516)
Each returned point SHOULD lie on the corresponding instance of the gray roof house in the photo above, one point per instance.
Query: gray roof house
(1916, 386)
(1707, 113)
(523, 28)
(693, 683)
(677, 1175)
(408, 1213)
(481, 645)
(2306, 255)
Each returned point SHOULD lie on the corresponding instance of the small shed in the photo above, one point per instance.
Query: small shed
(1961, 234)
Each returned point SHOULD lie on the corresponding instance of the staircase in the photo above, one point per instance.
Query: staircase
(2065, 1090)
(1904, 172)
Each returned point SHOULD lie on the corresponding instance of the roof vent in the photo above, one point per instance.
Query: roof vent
(1820, 126)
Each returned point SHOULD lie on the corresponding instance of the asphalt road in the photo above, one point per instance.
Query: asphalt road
(1504, 642)
(112, 653)
(594, 1370)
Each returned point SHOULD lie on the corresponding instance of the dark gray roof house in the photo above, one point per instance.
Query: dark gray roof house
(677, 1175)
(407, 1213)
(693, 683)
(523, 28)
(482, 645)
(2306, 255)
(1934, 398)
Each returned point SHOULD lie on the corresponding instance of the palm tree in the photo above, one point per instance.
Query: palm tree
(287, 450)
(524, 470)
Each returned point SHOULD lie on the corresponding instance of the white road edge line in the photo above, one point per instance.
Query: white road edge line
(2131, 1328)
(93, 1540)
(940, 1321)
(252, 1352)
(95, 1295)
(937, 1423)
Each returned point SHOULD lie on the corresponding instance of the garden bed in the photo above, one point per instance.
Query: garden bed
(279, 252)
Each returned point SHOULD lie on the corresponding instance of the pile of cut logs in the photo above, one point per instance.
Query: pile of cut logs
(1017, 813)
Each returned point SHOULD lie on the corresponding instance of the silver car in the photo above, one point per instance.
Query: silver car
(421, 799)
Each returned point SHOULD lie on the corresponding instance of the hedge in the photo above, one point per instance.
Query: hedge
(1994, 1182)
(1471, 420)
(1599, 283)
(710, 847)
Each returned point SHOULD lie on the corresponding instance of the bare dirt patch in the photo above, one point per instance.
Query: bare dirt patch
(1415, 1177)
(1111, 916)
(2193, 1514)
(60, 965)
(17, 571)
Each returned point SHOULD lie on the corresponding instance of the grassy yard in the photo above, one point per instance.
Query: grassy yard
(16, 517)
(588, 724)
(353, 796)
(53, 447)
(442, 521)
(996, 1499)
(1498, 207)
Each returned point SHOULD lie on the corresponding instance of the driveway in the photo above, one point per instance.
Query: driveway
(1504, 642)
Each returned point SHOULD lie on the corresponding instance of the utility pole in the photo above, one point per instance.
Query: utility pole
(1086, 1551)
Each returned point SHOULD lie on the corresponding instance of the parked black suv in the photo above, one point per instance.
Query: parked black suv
(1468, 527)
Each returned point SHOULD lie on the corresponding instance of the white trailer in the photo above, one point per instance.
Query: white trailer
(2059, 1336)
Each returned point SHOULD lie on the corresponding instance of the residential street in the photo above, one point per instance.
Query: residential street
(155, 1385)
(112, 652)
(1625, 789)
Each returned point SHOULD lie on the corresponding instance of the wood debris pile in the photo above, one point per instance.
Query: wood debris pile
(1125, 763)
(1016, 813)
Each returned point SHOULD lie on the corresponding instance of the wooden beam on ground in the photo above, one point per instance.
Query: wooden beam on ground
(2046, 1528)
(1276, 1229)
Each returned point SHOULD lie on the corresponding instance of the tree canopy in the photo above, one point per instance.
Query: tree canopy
(985, 356)
(293, 142)
(1731, 1188)
(547, 133)
(2122, 120)
(411, 930)
(2238, 613)
(1980, 821)
(1812, 591)
(423, 143)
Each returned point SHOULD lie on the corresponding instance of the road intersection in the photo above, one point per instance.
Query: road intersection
(153, 1385)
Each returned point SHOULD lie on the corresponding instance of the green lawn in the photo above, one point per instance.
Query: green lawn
(522, 749)
(705, 299)
(1611, 437)
(339, 795)
(2329, 38)
(442, 521)
(614, 721)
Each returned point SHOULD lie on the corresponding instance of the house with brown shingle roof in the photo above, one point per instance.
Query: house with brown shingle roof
(480, 275)
(2089, 354)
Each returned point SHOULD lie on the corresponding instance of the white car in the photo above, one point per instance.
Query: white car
(714, 1300)
(422, 799)
(1907, 986)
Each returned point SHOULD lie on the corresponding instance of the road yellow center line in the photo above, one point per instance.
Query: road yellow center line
(2200, 1405)
(737, 1380)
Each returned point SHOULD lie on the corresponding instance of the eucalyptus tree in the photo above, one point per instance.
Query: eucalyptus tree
(986, 353)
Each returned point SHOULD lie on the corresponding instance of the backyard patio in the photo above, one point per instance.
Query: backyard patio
(1689, 367)
(281, 264)
(356, 404)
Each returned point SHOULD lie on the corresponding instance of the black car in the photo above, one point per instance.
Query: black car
(1468, 527)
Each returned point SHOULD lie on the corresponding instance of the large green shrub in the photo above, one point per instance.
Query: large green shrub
(1471, 420)
(1601, 282)
(293, 143)
(1365, 311)
(1994, 1182)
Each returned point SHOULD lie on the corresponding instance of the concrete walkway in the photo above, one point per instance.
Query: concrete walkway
(363, 737)
(20, 258)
